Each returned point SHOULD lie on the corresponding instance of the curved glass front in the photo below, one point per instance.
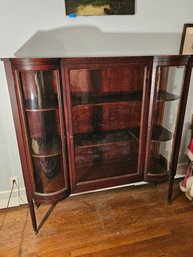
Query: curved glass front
(168, 88)
(40, 98)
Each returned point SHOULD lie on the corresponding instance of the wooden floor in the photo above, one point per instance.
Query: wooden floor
(135, 221)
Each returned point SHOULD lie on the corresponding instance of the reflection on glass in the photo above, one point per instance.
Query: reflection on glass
(39, 89)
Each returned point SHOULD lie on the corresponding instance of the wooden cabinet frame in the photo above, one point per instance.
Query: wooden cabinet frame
(105, 63)
(119, 95)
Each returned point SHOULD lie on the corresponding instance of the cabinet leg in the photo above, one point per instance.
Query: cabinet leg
(170, 189)
(33, 216)
(37, 205)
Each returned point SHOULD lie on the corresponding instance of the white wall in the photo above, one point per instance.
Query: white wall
(39, 28)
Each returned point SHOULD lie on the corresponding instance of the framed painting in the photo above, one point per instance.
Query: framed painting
(186, 46)
(99, 7)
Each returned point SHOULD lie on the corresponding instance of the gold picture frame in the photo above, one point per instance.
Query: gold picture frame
(186, 46)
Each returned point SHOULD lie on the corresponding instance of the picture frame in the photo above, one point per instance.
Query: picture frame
(76, 8)
(186, 46)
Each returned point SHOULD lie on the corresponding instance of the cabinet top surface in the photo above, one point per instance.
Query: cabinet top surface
(95, 57)
(55, 63)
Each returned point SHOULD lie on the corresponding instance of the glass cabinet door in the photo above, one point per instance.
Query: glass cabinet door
(44, 122)
(167, 91)
(107, 106)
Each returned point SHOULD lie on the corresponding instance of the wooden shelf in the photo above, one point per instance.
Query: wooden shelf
(161, 134)
(102, 170)
(86, 98)
(165, 96)
(106, 137)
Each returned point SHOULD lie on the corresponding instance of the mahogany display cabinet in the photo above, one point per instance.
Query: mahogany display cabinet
(90, 123)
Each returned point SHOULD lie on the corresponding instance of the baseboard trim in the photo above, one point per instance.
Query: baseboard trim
(182, 168)
(14, 200)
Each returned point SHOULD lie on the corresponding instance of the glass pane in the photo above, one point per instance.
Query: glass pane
(44, 132)
(107, 85)
(169, 81)
(39, 89)
(106, 115)
(40, 95)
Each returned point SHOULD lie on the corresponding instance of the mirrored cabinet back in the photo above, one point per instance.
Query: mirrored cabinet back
(89, 123)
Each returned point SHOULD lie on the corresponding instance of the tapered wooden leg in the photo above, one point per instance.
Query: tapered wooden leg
(37, 205)
(33, 216)
(170, 189)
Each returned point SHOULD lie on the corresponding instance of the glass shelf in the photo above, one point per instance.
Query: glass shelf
(42, 110)
(161, 134)
(106, 137)
(86, 98)
(49, 102)
(157, 166)
(165, 96)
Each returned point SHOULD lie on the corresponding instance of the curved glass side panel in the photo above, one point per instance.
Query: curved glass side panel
(168, 87)
(40, 98)
(39, 89)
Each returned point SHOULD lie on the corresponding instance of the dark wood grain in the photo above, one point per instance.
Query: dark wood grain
(165, 96)
(161, 134)
(127, 222)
